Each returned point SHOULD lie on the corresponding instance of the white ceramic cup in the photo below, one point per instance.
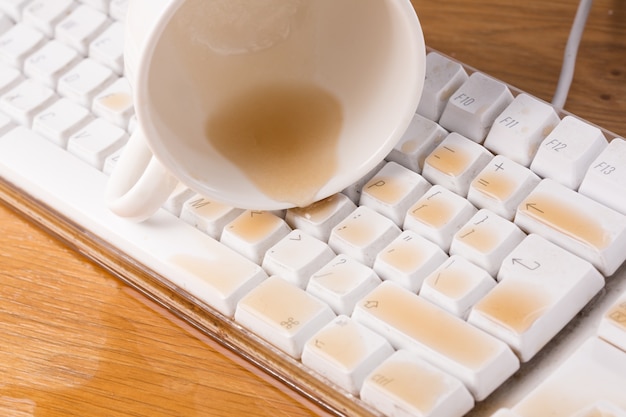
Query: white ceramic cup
(263, 104)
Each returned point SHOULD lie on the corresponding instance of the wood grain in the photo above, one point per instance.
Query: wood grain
(74, 340)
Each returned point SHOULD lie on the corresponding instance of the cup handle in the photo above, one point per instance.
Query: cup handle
(139, 184)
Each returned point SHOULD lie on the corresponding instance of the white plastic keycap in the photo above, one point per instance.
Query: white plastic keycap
(345, 352)
(44, 15)
(456, 285)
(443, 77)
(542, 287)
(438, 215)
(501, 186)
(473, 108)
(519, 130)
(408, 260)
(342, 283)
(51, 61)
(583, 226)
(406, 385)
(96, 142)
(410, 322)
(418, 141)
(392, 191)
(60, 120)
(455, 163)
(602, 369)
(19, 42)
(209, 216)
(566, 153)
(283, 314)
(363, 234)
(81, 27)
(319, 218)
(605, 181)
(296, 257)
(84, 81)
(486, 239)
(25, 101)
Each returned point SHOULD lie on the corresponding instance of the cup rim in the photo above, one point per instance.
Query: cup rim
(140, 90)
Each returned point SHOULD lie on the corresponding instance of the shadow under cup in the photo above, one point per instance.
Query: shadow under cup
(282, 104)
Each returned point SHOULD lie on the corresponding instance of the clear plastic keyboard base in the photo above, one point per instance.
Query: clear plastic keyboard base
(482, 257)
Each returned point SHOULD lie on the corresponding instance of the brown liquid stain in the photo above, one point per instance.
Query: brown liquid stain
(495, 186)
(431, 326)
(480, 238)
(515, 305)
(617, 315)
(449, 161)
(566, 219)
(116, 101)
(435, 212)
(343, 343)
(403, 256)
(415, 385)
(284, 137)
(254, 226)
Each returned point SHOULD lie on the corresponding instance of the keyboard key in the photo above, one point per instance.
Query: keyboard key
(605, 181)
(443, 77)
(102, 5)
(438, 215)
(208, 216)
(501, 186)
(354, 191)
(296, 257)
(473, 108)
(319, 219)
(345, 352)
(115, 103)
(83, 82)
(44, 15)
(486, 239)
(108, 48)
(457, 285)
(178, 197)
(408, 260)
(455, 163)
(60, 120)
(418, 141)
(408, 321)
(50, 62)
(520, 129)
(26, 100)
(612, 326)
(542, 287)
(576, 223)
(342, 282)
(567, 152)
(601, 366)
(81, 27)
(406, 385)
(253, 232)
(283, 314)
(363, 234)
(13, 8)
(117, 9)
(9, 78)
(392, 191)
(19, 42)
(96, 142)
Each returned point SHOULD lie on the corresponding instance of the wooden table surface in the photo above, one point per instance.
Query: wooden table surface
(74, 340)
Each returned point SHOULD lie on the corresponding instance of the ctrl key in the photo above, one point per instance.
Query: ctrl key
(406, 385)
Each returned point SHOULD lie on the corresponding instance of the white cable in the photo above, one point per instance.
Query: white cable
(571, 50)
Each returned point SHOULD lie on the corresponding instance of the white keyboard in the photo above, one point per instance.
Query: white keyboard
(478, 270)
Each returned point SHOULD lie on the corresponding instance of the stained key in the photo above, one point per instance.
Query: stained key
(575, 222)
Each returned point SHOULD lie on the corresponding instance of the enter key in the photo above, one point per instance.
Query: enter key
(575, 222)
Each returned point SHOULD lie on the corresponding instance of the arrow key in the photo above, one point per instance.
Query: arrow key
(541, 288)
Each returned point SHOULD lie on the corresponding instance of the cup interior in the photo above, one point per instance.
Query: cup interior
(249, 104)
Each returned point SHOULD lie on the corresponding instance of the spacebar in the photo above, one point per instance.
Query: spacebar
(163, 243)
